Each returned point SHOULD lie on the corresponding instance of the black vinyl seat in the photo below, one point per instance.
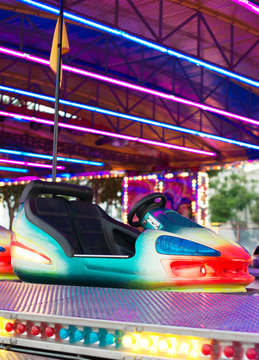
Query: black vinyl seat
(79, 226)
(101, 234)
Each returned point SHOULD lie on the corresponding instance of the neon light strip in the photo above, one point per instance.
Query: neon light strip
(129, 86)
(25, 163)
(149, 44)
(49, 157)
(104, 133)
(248, 5)
(125, 116)
(6, 168)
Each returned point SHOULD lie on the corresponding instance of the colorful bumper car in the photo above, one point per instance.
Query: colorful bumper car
(63, 241)
(6, 271)
(254, 267)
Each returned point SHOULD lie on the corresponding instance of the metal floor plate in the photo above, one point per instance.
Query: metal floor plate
(10, 355)
(226, 312)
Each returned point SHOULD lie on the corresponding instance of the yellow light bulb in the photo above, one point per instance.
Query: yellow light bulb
(184, 347)
(144, 343)
(127, 341)
(163, 345)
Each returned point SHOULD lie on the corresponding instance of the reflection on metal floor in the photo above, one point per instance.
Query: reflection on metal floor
(129, 324)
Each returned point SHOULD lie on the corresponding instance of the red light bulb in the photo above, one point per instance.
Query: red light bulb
(49, 331)
(35, 330)
(206, 349)
(9, 327)
(21, 328)
(229, 351)
(251, 354)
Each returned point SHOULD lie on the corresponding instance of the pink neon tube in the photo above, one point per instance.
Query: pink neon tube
(248, 5)
(25, 163)
(106, 133)
(130, 86)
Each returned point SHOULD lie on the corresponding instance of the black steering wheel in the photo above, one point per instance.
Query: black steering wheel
(144, 205)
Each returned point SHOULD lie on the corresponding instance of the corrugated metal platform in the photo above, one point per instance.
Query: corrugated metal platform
(225, 312)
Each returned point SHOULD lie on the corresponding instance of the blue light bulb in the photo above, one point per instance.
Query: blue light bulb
(79, 335)
(63, 333)
(93, 337)
(110, 339)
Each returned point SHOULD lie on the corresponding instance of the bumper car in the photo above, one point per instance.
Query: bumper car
(6, 271)
(61, 241)
(254, 267)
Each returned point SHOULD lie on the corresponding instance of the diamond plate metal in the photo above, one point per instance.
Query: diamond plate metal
(193, 310)
(10, 355)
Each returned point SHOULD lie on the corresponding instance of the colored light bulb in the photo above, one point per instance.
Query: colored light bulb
(127, 341)
(49, 331)
(9, 327)
(63, 333)
(184, 347)
(21, 328)
(35, 330)
(79, 335)
(206, 349)
(144, 343)
(229, 351)
(109, 339)
(163, 345)
(93, 337)
(251, 354)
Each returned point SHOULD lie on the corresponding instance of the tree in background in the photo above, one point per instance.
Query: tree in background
(9, 196)
(232, 199)
(255, 211)
(107, 190)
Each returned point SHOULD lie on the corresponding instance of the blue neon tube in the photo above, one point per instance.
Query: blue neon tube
(147, 43)
(128, 117)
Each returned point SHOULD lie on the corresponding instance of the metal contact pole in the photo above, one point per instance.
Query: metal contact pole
(57, 90)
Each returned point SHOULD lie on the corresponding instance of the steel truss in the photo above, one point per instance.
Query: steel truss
(109, 55)
(41, 144)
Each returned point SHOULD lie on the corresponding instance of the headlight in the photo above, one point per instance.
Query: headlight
(172, 245)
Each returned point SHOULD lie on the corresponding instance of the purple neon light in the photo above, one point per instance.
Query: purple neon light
(106, 133)
(131, 86)
(248, 5)
(25, 163)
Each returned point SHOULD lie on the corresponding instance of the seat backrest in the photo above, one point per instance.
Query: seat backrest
(52, 216)
(80, 227)
(101, 234)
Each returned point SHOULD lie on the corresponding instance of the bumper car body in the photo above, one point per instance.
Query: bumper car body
(254, 267)
(6, 271)
(75, 242)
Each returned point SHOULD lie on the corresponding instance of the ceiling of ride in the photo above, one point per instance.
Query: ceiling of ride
(221, 33)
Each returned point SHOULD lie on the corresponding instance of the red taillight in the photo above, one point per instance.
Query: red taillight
(22, 252)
